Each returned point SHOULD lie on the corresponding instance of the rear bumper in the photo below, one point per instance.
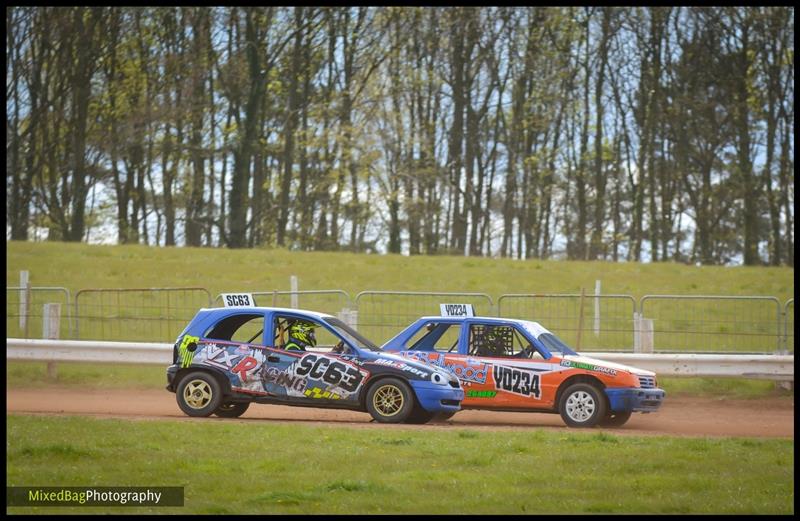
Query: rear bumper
(171, 372)
(635, 399)
(437, 398)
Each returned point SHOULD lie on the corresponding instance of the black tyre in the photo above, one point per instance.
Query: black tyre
(616, 419)
(419, 416)
(390, 401)
(582, 405)
(444, 416)
(232, 409)
(199, 394)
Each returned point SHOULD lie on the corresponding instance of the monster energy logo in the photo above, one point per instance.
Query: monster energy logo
(184, 354)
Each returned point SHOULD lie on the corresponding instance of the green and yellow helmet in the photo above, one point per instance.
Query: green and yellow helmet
(303, 332)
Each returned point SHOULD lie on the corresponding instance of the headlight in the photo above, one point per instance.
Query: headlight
(439, 378)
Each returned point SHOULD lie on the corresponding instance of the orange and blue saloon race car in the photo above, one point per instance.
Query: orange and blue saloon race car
(518, 365)
(227, 358)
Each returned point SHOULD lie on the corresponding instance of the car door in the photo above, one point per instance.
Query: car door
(234, 345)
(516, 371)
(315, 373)
(441, 342)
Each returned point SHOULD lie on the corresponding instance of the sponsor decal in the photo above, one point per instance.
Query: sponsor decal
(331, 371)
(589, 367)
(316, 392)
(402, 366)
(516, 381)
(466, 370)
(224, 357)
(283, 379)
(245, 365)
(184, 355)
(481, 394)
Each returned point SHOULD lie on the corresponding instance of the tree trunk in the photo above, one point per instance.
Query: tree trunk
(596, 245)
(290, 128)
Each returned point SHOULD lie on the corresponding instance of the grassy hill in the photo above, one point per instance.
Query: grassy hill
(79, 266)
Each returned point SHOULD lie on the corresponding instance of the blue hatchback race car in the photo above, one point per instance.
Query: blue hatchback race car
(227, 358)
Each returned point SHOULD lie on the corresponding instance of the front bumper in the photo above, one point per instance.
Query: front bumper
(437, 398)
(635, 399)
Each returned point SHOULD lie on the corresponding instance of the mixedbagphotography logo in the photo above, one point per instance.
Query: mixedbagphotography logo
(94, 496)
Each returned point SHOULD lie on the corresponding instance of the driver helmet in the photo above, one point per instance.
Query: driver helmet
(303, 332)
(494, 340)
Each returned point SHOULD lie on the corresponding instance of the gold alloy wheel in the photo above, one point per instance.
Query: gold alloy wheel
(197, 394)
(388, 400)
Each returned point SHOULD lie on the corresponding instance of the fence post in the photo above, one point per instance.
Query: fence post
(646, 344)
(293, 284)
(580, 320)
(597, 308)
(637, 332)
(349, 317)
(28, 304)
(783, 348)
(24, 293)
(51, 325)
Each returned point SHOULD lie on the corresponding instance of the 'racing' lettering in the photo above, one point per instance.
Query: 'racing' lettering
(245, 365)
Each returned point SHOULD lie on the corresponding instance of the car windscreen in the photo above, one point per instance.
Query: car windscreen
(555, 345)
(351, 335)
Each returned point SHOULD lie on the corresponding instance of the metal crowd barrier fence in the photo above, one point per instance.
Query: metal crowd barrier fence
(788, 327)
(714, 324)
(680, 323)
(140, 314)
(588, 322)
(24, 311)
(383, 314)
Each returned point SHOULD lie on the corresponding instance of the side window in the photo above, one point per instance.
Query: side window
(498, 341)
(526, 349)
(438, 336)
(292, 333)
(247, 328)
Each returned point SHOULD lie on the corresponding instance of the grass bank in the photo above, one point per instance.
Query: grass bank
(78, 266)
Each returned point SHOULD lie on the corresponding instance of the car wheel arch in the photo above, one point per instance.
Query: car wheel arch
(374, 381)
(579, 378)
(221, 378)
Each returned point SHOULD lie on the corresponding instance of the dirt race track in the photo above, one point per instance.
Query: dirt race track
(678, 416)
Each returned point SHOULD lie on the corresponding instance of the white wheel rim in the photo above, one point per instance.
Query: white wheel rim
(388, 400)
(580, 406)
(197, 394)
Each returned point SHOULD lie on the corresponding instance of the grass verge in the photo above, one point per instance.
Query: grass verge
(241, 467)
